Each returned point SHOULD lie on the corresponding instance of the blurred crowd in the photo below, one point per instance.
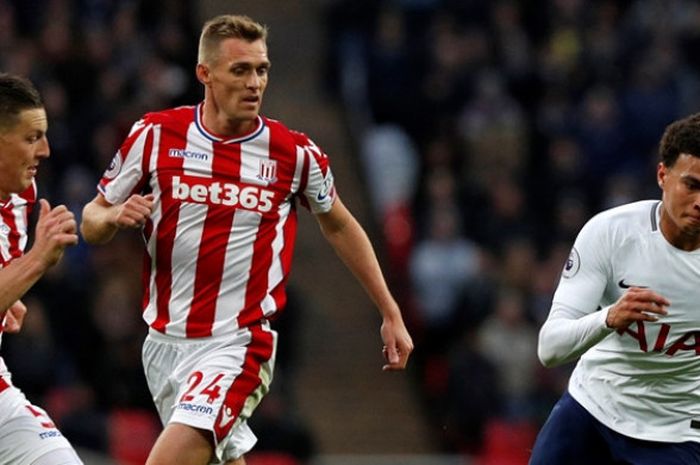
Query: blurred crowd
(490, 131)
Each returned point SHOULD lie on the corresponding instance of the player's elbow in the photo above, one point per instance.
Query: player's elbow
(90, 230)
(87, 234)
(546, 351)
(92, 236)
(547, 358)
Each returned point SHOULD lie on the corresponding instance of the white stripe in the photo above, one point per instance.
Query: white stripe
(5, 242)
(296, 181)
(151, 311)
(275, 274)
(19, 212)
(196, 143)
(188, 238)
(251, 153)
(118, 190)
(20, 215)
(237, 270)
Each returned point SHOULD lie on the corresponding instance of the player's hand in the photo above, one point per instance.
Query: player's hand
(398, 344)
(14, 317)
(55, 230)
(134, 212)
(637, 304)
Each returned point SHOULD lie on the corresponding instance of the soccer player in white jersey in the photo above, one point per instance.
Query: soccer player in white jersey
(27, 434)
(628, 306)
(214, 187)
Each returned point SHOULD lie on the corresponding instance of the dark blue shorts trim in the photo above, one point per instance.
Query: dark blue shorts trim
(571, 436)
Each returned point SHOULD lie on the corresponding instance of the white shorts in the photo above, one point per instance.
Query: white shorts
(26, 431)
(212, 384)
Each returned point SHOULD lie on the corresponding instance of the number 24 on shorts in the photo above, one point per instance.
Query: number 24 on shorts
(212, 390)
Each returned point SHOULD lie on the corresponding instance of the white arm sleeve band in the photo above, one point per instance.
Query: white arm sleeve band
(568, 333)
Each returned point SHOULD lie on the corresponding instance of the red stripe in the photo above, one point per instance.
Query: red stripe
(3, 384)
(145, 163)
(13, 236)
(289, 232)
(286, 254)
(283, 151)
(148, 228)
(256, 287)
(258, 352)
(304, 180)
(215, 237)
(167, 227)
(29, 195)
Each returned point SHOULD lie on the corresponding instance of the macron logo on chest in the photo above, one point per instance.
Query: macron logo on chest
(188, 154)
(206, 191)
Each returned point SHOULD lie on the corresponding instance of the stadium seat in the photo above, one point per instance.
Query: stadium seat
(507, 443)
(270, 458)
(131, 435)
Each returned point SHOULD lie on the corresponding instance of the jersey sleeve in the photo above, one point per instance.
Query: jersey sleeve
(319, 192)
(128, 171)
(587, 269)
(574, 324)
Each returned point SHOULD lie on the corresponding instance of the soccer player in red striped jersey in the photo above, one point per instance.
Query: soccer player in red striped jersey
(27, 434)
(214, 188)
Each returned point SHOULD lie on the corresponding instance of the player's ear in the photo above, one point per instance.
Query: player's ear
(202, 72)
(661, 174)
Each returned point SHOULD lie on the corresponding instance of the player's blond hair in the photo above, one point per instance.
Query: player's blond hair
(224, 27)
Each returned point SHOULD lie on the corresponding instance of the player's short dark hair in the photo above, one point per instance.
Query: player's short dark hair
(16, 95)
(226, 27)
(680, 137)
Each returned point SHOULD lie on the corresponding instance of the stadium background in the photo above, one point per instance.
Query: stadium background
(472, 138)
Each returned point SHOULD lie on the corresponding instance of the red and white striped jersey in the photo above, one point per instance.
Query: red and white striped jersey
(220, 239)
(14, 223)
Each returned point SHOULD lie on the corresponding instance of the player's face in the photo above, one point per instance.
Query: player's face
(681, 196)
(237, 80)
(22, 147)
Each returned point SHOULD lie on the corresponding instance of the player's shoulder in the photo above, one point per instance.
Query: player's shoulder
(282, 131)
(632, 217)
(26, 197)
(182, 114)
(30, 193)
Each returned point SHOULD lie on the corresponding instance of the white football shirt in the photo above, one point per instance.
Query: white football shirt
(645, 381)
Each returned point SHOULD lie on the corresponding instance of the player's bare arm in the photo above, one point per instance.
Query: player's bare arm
(352, 245)
(102, 220)
(637, 304)
(55, 230)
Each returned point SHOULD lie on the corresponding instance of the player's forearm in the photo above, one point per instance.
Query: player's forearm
(352, 245)
(17, 277)
(568, 333)
(97, 226)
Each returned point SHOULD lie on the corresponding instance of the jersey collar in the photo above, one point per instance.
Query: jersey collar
(259, 126)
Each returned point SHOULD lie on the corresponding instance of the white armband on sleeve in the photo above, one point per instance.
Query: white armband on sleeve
(568, 333)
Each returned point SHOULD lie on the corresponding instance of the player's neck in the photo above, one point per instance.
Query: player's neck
(676, 236)
(219, 124)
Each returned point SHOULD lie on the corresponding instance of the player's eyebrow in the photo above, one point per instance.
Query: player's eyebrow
(690, 178)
